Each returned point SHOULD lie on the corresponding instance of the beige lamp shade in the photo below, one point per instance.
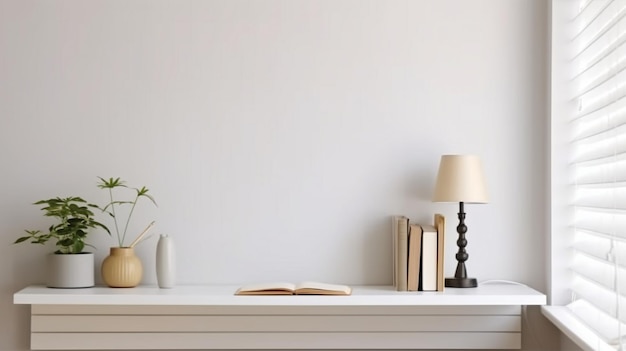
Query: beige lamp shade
(460, 179)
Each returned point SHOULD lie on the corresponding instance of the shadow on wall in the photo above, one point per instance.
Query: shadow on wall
(538, 333)
(27, 264)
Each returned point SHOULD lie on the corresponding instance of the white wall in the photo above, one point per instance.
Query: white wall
(278, 137)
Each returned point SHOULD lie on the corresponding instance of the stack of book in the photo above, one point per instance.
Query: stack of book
(418, 252)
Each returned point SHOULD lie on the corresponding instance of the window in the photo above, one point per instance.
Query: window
(589, 166)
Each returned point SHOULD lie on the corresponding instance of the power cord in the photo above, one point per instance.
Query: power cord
(494, 281)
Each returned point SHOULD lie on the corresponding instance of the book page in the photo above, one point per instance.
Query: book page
(429, 258)
(318, 288)
(277, 288)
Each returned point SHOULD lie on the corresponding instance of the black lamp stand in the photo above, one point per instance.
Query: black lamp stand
(460, 279)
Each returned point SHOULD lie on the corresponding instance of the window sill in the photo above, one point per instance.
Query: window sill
(576, 330)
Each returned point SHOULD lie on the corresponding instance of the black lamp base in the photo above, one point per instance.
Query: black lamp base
(461, 283)
(460, 279)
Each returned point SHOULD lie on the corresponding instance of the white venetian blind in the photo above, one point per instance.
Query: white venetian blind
(598, 167)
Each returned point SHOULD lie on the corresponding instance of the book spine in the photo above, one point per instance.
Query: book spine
(402, 255)
(440, 225)
(394, 251)
(415, 237)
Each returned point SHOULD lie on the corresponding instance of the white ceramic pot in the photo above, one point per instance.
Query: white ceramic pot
(71, 270)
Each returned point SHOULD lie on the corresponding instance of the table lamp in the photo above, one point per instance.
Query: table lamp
(460, 179)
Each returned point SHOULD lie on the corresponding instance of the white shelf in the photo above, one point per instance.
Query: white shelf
(223, 295)
(212, 317)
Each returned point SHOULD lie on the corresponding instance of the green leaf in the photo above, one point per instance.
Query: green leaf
(112, 203)
(151, 199)
(98, 224)
(142, 191)
(110, 183)
(22, 239)
(78, 247)
(65, 242)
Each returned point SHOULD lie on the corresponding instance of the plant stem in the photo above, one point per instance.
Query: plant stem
(117, 230)
(130, 214)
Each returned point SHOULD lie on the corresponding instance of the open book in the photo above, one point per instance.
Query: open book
(303, 288)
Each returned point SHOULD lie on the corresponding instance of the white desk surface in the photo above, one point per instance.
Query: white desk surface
(223, 295)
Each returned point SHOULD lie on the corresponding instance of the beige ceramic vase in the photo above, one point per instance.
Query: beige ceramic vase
(122, 268)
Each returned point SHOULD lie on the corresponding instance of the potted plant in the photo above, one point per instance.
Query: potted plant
(122, 268)
(69, 266)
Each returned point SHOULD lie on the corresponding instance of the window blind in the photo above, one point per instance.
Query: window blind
(598, 167)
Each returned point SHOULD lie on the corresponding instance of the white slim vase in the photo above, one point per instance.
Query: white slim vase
(165, 262)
